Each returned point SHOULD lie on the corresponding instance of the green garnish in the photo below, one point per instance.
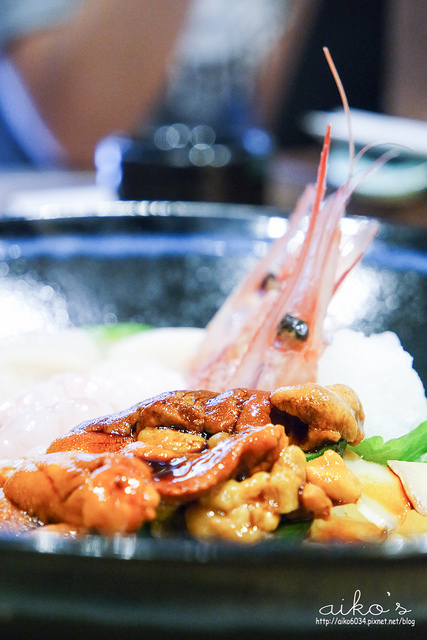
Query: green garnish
(411, 447)
(339, 447)
(115, 332)
(293, 531)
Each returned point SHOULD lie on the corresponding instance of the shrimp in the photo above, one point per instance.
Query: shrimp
(269, 332)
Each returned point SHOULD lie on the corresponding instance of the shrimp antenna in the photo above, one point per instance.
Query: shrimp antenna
(344, 103)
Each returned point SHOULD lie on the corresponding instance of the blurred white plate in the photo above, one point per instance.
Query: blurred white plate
(402, 178)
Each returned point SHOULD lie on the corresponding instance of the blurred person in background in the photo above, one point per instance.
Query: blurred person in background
(73, 71)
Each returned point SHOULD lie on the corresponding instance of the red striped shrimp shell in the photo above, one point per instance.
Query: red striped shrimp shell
(270, 330)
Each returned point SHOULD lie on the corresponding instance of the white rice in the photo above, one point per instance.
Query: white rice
(50, 383)
(56, 381)
(381, 372)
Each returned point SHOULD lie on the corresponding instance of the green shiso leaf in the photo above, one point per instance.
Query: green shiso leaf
(411, 447)
(293, 531)
(339, 447)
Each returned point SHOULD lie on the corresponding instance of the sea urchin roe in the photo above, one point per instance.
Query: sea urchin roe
(202, 413)
(225, 455)
(380, 511)
(325, 414)
(164, 444)
(110, 493)
(12, 519)
(249, 510)
(251, 450)
(330, 473)
(177, 441)
(315, 501)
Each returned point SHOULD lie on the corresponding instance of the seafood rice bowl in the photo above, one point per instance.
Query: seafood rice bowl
(256, 427)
